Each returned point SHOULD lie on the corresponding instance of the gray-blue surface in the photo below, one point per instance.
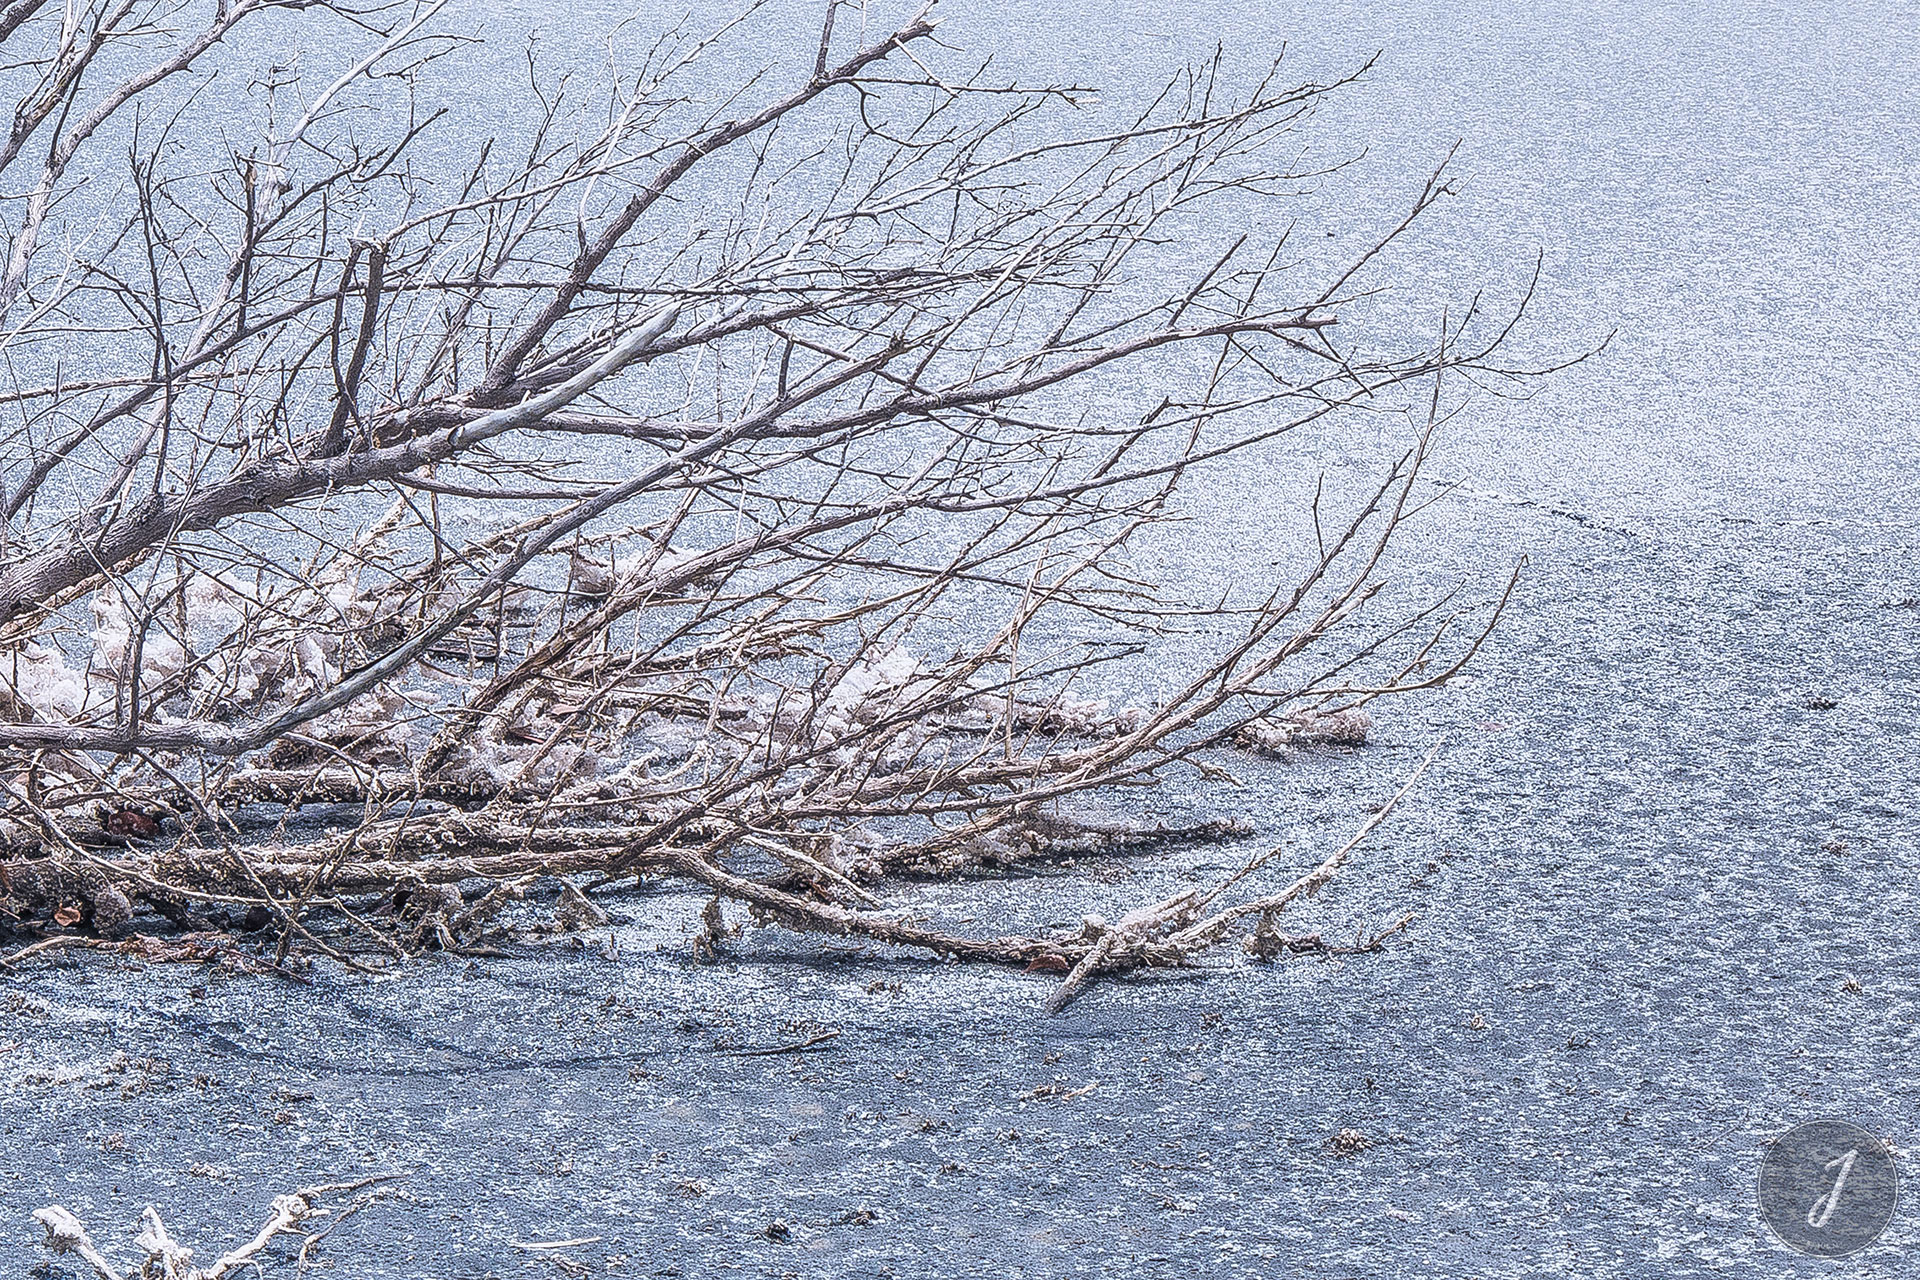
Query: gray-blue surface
(1655, 865)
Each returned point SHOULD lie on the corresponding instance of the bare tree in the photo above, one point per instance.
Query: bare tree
(729, 485)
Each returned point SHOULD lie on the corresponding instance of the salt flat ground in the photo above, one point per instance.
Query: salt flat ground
(1655, 863)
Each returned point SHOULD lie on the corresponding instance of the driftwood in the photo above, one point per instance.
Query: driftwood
(391, 564)
(166, 1259)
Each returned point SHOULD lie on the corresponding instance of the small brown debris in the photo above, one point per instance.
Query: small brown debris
(1349, 1142)
(576, 910)
(714, 930)
(130, 824)
(1058, 1092)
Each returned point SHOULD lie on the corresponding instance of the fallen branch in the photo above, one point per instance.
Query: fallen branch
(66, 1234)
(715, 494)
(59, 943)
(810, 1043)
(1166, 932)
(166, 1259)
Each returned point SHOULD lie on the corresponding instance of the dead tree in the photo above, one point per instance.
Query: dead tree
(733, 485)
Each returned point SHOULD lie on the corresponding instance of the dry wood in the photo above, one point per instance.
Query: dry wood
(677, 498)
(167, 1259)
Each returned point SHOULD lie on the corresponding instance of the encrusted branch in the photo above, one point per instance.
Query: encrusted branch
(166, 1259)
(411, 543)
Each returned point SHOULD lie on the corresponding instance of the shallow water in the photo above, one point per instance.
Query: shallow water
(1655, 863)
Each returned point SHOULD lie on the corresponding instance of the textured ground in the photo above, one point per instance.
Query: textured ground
(1631, 894)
